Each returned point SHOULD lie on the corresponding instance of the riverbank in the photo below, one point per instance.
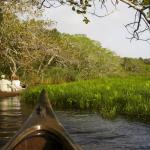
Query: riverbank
(108, 96)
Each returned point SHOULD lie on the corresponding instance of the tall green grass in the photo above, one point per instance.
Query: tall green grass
(108, 96)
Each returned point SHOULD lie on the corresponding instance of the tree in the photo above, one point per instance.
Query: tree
(29, 48)
(24, 45)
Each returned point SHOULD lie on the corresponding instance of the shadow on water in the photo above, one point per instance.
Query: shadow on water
(88, 129)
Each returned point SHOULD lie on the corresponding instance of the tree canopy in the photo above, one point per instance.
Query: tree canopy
(32, 49)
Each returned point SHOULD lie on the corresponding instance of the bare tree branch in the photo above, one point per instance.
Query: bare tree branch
(82, 7)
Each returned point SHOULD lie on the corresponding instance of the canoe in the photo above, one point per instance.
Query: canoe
(42, 131)
(9, 94)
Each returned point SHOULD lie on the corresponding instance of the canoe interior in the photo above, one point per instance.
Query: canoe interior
(41, 140)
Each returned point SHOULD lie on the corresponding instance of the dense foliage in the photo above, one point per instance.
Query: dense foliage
(31, 49)
(109, 96)
(39, 53)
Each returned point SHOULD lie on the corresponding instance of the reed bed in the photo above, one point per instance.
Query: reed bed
(108, 96)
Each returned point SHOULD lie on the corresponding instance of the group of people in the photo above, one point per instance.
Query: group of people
(10, 85)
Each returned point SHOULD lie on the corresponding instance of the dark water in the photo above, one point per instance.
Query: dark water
(89, 130)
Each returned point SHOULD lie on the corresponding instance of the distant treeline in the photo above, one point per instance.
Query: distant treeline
(136, 65)
(37, 53)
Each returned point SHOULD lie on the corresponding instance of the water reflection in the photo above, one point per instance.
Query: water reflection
(12, 103)
(10, 118)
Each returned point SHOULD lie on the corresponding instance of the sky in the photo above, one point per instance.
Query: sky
(110, 31)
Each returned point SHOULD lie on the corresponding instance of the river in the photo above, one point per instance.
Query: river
(89, 130)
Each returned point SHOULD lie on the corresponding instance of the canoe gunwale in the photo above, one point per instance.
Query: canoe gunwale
(38, 131)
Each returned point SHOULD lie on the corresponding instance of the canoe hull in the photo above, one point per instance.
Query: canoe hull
(42, 141)
(9, 94)
(42, 131)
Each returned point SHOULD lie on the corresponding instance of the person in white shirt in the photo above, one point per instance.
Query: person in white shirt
(16, 83)
(5, 85)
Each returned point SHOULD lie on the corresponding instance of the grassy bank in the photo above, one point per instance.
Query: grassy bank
(109, 96)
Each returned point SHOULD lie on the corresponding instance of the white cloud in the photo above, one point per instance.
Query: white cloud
(110, 30)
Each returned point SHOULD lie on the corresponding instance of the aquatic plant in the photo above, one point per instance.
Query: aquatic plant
(109, 96)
